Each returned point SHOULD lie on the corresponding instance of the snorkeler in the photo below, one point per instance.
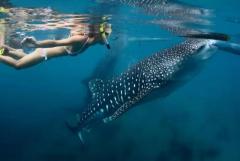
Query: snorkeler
(47, 49)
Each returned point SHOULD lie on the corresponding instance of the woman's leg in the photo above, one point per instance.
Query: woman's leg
(33, 58)
(18, 53)
(8, 60)
(19, 63)
(2, 33)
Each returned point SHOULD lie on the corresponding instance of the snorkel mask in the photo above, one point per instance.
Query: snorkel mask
(105, 31)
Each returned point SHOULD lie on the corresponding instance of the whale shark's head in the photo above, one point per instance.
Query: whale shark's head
(205, 49)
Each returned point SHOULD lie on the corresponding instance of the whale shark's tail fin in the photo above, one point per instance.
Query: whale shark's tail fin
(208, 35)
(73, 126)
(80, 136)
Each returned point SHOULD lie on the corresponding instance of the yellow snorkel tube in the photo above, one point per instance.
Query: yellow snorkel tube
(103, 32)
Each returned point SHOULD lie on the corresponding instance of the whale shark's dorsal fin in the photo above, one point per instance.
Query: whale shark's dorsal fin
(97, 87)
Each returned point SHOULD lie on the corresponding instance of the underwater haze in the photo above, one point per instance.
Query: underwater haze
(197, 121)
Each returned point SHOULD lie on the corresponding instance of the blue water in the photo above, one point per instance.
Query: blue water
(197, 122)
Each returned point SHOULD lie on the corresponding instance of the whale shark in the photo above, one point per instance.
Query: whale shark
(112, 98)
(155, 74)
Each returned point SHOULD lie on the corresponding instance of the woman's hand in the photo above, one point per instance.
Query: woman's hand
(30, 42)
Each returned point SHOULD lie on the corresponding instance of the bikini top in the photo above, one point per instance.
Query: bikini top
(69, 48)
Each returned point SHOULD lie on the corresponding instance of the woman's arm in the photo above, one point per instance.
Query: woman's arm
(32, 42)
(53, 43)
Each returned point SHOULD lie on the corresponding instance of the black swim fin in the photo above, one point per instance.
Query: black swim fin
(3, 50)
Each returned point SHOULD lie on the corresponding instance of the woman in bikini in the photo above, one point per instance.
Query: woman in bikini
(47, 49)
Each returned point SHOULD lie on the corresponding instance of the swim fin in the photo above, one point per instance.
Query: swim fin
(3, 50)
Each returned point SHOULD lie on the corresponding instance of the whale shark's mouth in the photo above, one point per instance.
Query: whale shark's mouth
(206, 50)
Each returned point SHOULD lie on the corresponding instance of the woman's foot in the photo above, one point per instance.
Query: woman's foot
(9, 51)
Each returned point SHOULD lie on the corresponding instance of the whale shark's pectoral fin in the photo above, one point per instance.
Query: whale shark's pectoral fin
(228, 47)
